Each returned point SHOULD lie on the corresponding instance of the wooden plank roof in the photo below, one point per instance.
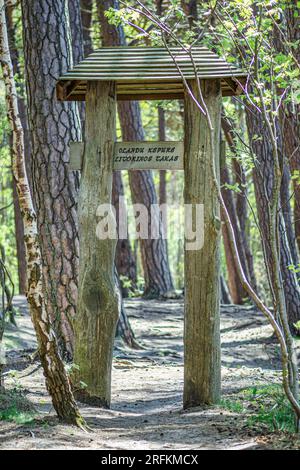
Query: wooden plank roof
(148, 72)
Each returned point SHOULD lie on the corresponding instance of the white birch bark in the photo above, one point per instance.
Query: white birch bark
(56, 377)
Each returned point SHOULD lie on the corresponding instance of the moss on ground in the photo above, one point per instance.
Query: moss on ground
(14, 406)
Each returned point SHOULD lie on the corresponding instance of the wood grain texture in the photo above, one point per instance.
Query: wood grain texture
(98, 298)
(202, 320)
(137, 155)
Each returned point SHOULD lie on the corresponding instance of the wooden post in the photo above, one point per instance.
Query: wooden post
(97, 311)
(202, 374)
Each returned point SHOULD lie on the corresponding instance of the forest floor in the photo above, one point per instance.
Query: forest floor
(147, 389)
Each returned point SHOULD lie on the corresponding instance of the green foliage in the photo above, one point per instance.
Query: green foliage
(235, 406)
(297, 326)
(14, 406)
(271, 408)
(265, 407)
(17, 416)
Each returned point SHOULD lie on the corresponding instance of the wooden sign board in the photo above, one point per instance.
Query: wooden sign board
(137, 155)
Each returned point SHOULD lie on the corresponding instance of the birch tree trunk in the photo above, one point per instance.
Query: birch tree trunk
(56, 378)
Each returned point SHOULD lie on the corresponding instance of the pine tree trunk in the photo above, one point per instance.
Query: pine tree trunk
(76, 30)
(154, 253)
(98, 299)
(56, 378)
(158, 279)
(202, 375)
(263, 178)
(114, 36)
(285, 199)
(124, 329)
(86, 18)
(239, 217)
(190, 9)
(125, 261)
(242, 217)
(53, 124)
(291, 118)
(225, 297)
(162, 173)
(236, 289)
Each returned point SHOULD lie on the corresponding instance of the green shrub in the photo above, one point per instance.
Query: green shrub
(266, 406)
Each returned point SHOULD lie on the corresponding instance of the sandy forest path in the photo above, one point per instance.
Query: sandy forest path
(147, 387)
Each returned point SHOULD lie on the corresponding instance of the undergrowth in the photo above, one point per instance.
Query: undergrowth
(14, 406)
(264, 406)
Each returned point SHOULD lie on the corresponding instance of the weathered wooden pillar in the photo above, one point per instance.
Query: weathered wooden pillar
(202, 373)
(97, 311)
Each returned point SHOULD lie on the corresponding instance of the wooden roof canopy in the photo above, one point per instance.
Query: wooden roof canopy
(145, 73)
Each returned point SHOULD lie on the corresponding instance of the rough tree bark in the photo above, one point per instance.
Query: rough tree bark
(190, 9)
(291, 115)
(202, 375)
(242, 217)
(237, 208)
(162, 173)
(53, 124)
(125, 261)
(98, 299)
(263, 178)
(288, 128)
(237, 292)
(162, 194)
(158, 279)
(225, 297)
(86, 18)
(240, 200)
(56, 378)
(285, 199)
(76, 30)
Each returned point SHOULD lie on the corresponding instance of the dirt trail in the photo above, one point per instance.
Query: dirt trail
(147, 387)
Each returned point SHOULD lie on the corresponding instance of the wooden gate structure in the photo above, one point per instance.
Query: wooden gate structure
(147, 73)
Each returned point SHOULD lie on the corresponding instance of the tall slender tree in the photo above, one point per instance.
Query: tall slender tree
(53, 124)
(233, 203)
(289, 35)
(125, 259)
(11, 31)
(86, 18)
(158, 279)
(263, 177)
